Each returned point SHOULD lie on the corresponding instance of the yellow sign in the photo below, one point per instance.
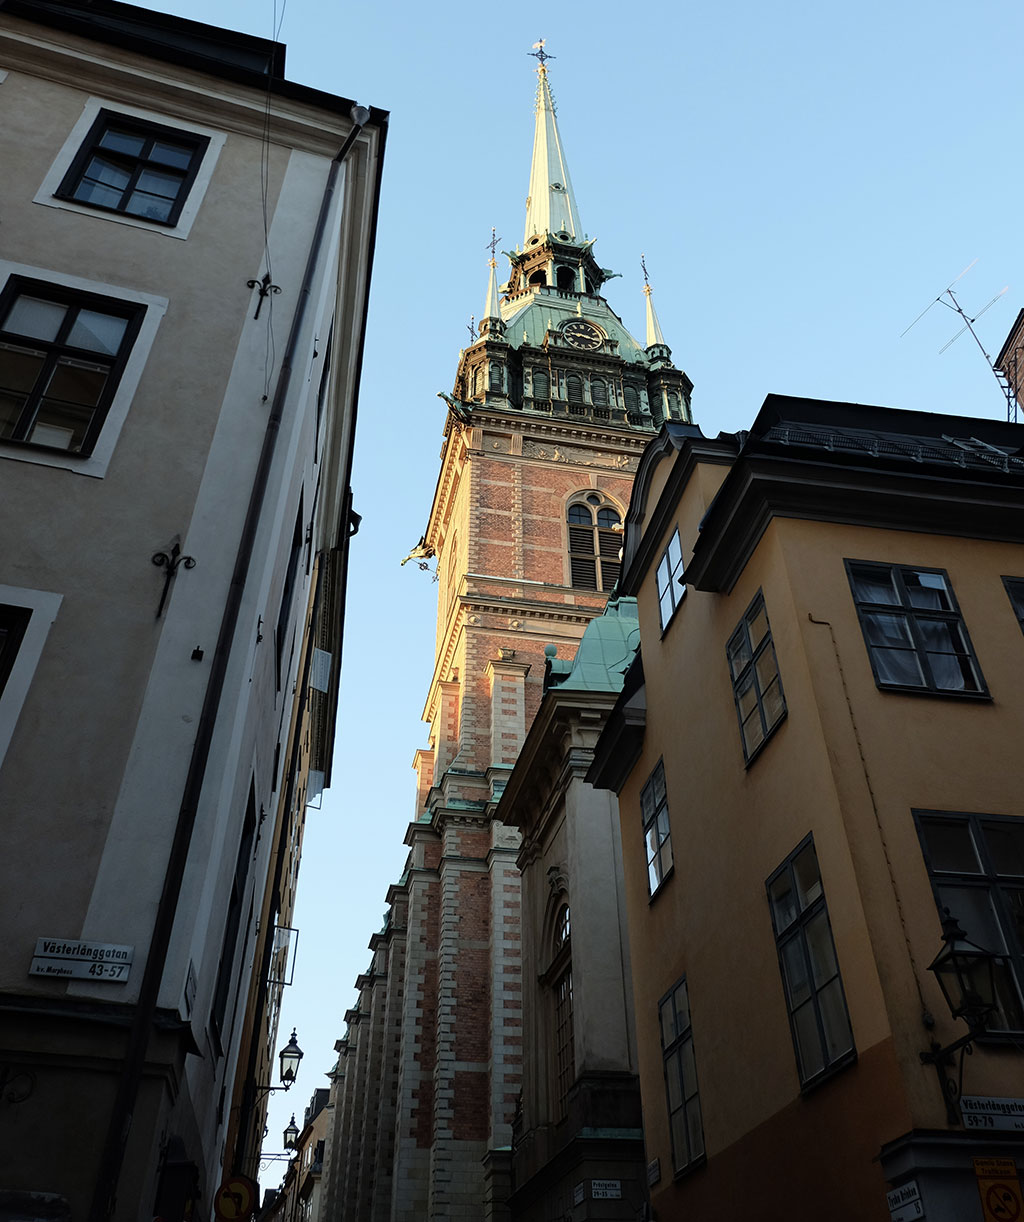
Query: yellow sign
(235, 1199)
(999, 1189)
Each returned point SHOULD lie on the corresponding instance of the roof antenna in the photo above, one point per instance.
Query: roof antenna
(953, 304)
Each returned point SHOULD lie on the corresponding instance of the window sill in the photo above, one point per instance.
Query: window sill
(826, 1075)
(983, 697)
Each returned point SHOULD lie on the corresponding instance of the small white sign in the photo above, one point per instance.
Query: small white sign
(905, 1203)
(992, 1112)
(578, 1194)
(82, 960)
(605, 1190)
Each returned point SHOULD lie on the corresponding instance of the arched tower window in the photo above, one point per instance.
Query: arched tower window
(565, 278)
(495, 376)
(673, 405)
(478, 381)
(574, 388)
(631, 398)
(538, 279)
(594, 544)
(599, 392)
(561, 986)
(541, 387)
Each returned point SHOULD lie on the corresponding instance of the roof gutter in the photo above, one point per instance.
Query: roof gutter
(118, 1128)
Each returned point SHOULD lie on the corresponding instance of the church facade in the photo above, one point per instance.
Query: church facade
(552, 405)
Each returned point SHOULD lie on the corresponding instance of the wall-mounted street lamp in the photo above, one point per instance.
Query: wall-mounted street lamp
(291, 1134)
(966, 975)
(289, 1057)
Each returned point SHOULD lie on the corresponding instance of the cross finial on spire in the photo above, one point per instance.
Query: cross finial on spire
(492, 245)
(471, 325)
(539, 53)
(647, 281)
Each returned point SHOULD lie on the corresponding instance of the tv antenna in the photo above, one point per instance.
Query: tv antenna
(948, 298)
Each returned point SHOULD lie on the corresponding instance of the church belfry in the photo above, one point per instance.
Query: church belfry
(553, 403)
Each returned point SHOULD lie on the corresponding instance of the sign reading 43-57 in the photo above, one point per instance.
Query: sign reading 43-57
(67, 957)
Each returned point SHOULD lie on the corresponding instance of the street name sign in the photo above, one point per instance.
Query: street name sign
(992, 1112)
(65, 957)
(905, 1204)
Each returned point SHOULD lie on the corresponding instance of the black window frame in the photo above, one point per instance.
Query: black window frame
(107, 120)
(14, 622)
(671, 581)
(673, 1057)
(794, 933)
(1014, 587)
(996, 886)
(751, 673)
(654, 805)
(594, 548)
(58, 348)
(913, 617)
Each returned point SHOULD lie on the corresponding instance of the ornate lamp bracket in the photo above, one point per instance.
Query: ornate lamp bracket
(170, 560)
(265, 288)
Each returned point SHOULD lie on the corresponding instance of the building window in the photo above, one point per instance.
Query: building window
(559, 976)
(1015, 589)
(670, 580)
(594, 544)
(599, 393)
(495, 376)
(541, 386)
(13, 622)
(976, 866)
(228, 968)
(657, 831)
(135, 168)
(818, 1017)
(631, 398)
(681, 1078)
(913, 629)
(574, 388)
(61, 355)
(756, 686)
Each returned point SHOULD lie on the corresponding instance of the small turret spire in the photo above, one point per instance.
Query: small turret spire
(654, 335)
(491, 323)
(551, 204)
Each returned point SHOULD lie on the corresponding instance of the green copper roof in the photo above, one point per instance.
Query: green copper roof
(604, 653)
(551, 205)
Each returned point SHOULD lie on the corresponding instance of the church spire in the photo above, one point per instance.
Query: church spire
(551, 205)
(657, 349)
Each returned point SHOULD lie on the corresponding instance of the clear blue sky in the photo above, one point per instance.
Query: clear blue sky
(804, 178)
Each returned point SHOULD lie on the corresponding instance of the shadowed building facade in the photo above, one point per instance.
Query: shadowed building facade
(552, 405)
(176, 429)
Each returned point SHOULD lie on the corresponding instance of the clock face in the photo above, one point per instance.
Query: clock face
(582, 334)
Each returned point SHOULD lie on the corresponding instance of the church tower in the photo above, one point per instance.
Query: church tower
(553, 403)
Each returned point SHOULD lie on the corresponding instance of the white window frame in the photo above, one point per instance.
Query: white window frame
(43, 605)
(69, 151)
(96, 463)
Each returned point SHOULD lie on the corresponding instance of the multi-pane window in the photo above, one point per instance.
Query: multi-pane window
(594, 544)
(61, 355)
(815, 1000)
(681, 1078)
(913, 629)
(757, 688)
(976, 865)
(1015, 589)
(670, 580)
(561, 983)
(657, 832)
(13, 622)
(135, 168)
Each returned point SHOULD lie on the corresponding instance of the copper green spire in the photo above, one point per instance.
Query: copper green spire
(491, 323)
(551, 205)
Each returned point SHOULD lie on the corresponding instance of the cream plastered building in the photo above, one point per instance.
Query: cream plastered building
(184, 269)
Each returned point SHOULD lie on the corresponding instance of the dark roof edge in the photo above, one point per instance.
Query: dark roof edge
(243, 58)
(1015, 332)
